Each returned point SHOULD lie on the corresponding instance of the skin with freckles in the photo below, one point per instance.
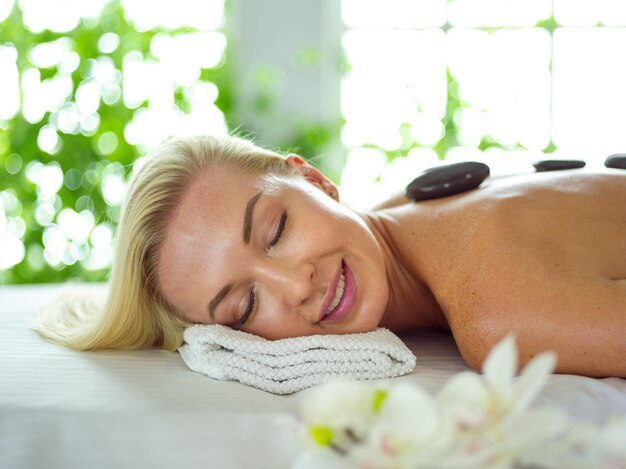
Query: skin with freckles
(540, 255)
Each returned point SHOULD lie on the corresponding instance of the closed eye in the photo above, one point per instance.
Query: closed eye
(279, 232)
(249, 308)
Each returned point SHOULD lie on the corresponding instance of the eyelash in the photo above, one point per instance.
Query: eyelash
(279, 232)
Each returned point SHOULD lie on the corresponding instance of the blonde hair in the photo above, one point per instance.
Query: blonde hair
(135, 314)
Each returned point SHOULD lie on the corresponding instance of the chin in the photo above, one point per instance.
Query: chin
(369, 323)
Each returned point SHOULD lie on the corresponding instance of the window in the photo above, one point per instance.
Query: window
(499, 81)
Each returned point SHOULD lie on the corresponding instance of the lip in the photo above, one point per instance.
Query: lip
(347, 300)
(330, 294)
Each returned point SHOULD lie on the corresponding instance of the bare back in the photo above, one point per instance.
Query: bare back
(541, 255)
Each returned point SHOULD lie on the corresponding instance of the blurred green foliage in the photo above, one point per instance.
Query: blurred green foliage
(80, 156)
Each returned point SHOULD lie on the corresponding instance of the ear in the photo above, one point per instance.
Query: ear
(313, 175)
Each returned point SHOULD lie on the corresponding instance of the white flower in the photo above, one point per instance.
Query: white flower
(476, 420)
(408, 431)
(489, 411)
(340, 413)
(497, 395)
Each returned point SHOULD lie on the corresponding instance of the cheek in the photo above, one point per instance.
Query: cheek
(272, 326)
(375, 301)
(341, 228)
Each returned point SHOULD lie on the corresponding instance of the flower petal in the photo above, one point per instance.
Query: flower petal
(536, 427)
(464, 386)
(340, 404)
(408, 413)
(501, 365)
(464, 401)
(532, 380)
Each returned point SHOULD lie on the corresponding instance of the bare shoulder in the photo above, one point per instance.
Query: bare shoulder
(582, 319)
(551, 268)
(542, 256)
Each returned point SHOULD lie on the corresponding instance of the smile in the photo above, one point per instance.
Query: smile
(344, 296)
(338, 293)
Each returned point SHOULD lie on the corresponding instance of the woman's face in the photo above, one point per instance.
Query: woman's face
(269, 255)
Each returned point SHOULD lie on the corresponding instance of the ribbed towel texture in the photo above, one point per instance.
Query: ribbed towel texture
(289, 365)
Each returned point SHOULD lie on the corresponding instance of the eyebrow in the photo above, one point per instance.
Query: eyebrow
(247, 217)
(219, 297)
(247, 229)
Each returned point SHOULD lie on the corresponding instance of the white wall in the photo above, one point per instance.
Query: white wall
(267, 38)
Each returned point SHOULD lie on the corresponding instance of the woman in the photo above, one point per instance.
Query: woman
(217, 230)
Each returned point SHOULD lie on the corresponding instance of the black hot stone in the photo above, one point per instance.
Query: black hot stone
(618, 160)
(553, 165)
(447, 180)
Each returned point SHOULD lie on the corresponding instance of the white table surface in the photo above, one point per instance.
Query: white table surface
(64, 409)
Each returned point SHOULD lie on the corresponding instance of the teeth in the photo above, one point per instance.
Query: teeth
(338, 294)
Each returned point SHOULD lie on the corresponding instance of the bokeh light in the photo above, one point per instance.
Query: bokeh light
(359, 186)
(58, 15)
(114, 90)
(393, 13)
(500, 81)
(382, 90)
(205, 15)
(5, 8)
(9, 82)
(498, 13)
(589, 93)
(586, 13)
(12, 229)
(108, 43)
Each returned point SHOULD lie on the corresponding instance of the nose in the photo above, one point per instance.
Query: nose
(291, 281)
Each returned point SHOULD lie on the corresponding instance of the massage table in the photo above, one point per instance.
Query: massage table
(134, 409)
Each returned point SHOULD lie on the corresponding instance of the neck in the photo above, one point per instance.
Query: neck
(411, 303)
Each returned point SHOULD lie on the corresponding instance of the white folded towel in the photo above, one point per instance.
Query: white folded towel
(288, 365)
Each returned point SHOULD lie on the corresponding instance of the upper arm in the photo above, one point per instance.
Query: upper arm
(583, 320)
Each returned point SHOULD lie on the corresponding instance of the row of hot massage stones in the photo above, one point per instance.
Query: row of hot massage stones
(443, 181)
